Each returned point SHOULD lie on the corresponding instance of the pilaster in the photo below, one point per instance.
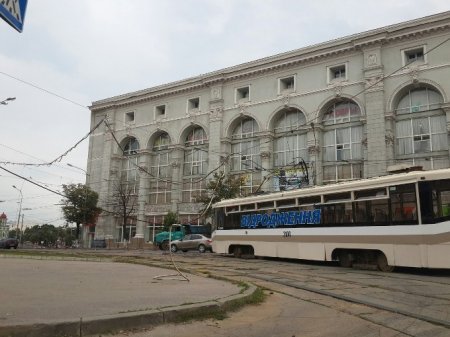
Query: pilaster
(375, 117)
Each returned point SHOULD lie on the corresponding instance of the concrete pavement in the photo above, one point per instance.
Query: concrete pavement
(73, 298)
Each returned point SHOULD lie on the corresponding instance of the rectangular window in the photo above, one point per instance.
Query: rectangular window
(194, 104)
(413, 55)
(243, 94)
(338, 72)
(193, 189)
(160, 192)
(160, 111)
(129, 117)
(286, 84)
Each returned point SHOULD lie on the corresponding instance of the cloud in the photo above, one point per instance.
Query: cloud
(90, 50)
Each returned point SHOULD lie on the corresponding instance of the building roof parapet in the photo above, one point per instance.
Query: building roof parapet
(280, 61)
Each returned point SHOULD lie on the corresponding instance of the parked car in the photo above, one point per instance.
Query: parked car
(98, 243)
(9, 243)
(192, 242)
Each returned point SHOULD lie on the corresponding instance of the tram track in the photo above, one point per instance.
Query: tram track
(423, 299)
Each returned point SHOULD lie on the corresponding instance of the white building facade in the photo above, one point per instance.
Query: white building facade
(336, 111)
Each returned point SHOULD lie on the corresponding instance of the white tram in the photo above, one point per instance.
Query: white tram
(395, 220)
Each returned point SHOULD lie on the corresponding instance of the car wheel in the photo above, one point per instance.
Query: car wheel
(173, 248)
(201, 248)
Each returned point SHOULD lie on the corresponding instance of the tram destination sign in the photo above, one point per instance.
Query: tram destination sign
(279, 219)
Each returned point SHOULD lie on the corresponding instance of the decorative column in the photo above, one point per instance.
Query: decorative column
(177, 158)
(266, 150)
(143, 194)
(108, 166)
(315, 171)
(215, 128)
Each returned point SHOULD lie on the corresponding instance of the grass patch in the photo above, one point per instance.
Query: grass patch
(220, 313)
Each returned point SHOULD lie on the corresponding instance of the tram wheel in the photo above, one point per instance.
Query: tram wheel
(345, 260)
(237, 252)
(382, 263)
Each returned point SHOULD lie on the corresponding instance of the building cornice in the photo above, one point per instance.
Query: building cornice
(406, 30)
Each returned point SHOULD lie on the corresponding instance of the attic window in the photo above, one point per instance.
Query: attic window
(413, 55)
(194, 103)
(338, 72)
(243, 94)
(287, 84)
(160, 110)
(129, 117)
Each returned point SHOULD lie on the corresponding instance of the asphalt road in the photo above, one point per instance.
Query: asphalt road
(304, 299)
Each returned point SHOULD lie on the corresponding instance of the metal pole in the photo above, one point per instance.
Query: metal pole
(20, 209)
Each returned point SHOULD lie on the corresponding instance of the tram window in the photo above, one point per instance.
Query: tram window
(337, 197)
(379, 211)
(371, 194)
(362, 212)
(266, 205)
(220, 218)
(286, 203)
(232, 221)
(403, 204)
(232, 209)
(440, 198)
(309, 200)
(445, 202)
(337, 214)
(248, 207)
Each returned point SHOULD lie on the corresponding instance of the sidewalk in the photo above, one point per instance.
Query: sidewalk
(50, 297)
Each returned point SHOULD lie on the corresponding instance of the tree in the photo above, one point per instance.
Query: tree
(123, 204)
(80, 205)
(221, 186)
(169, 219)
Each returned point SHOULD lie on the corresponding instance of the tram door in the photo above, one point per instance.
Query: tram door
(426, 201)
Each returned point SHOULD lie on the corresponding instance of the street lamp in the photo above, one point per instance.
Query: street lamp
(5, 101)
(20, 208)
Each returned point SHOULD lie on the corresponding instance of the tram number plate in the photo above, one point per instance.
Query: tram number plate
(287, 234)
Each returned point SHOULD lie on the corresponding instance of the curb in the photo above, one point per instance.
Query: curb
(111, 323)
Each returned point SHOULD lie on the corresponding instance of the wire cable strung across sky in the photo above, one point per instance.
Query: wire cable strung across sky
(58, 159)
(32, 182)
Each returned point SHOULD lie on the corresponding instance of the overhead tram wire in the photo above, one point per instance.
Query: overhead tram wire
(59, 158)
(44, 90)
(32, 182)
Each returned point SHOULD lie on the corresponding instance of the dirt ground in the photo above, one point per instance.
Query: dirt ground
(279, 315)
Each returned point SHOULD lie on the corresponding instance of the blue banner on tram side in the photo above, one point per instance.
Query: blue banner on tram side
(277, 219)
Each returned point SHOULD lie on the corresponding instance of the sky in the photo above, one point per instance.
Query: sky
(72, 53)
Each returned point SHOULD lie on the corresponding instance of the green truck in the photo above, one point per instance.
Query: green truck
(178, 232)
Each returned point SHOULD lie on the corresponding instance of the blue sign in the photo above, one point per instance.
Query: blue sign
(13, 12)
(277, 219)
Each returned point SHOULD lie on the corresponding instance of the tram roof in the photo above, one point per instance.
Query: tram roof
(353, 185)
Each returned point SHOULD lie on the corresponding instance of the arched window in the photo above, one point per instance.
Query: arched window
(160, 175)
(342, 142)
(290, 149)
(195, 164)
(245, 158)
(129, 174)
(421, 129)
(290, 139)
